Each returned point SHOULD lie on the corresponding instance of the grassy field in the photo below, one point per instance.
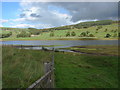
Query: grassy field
(20, 68)
(76, 70)
(85, 71)
(72, 70)
(111, 29)
(110, 50)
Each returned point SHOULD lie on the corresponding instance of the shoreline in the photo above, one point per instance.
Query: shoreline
(59, 39)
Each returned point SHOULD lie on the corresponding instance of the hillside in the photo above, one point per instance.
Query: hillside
(105, 29)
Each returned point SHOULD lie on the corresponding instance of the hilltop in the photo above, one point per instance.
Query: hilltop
(104, 29)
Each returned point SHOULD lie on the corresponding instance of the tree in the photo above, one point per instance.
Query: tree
(73, 33)
(85, 26)
(83, 34)
(35, 31)
(118, 34)
(67, 34)
(108, 35)
(91, 35)
(87, 32)
(31, 28)
(105, 30)
(23, 34)
(115, 31)
(96, 29)
(6, 35)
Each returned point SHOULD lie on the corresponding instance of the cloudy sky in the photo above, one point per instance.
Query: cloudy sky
(52, 14)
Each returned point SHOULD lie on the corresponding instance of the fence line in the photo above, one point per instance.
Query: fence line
(47, 80)
(39, 83)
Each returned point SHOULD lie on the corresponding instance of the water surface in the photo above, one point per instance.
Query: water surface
(63, 43)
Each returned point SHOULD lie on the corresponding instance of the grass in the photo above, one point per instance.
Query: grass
(101, 32)
(61, 34)
(20, 68)
(85, 71)
(96, 49)
(72, 70)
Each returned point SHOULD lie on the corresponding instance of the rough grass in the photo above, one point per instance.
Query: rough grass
(97, 49)
(101, 32)
(61, 34)
(72, 70)
(20, 68)
(85, 71)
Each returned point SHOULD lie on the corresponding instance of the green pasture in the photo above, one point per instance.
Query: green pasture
(111, 29)
(21, 68)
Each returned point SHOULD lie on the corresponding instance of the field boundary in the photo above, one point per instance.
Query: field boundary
(47, 80)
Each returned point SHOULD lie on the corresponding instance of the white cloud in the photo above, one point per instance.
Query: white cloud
(22, 26)
(18, 20)
(39, 13)
(3, 21)
(24, 19)
(32, 26)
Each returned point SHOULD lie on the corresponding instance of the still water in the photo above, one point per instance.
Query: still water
(61, 43)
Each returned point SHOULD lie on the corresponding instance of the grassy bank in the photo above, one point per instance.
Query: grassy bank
(110, 50)
(20, 68)
(74, 70)
(56, 38)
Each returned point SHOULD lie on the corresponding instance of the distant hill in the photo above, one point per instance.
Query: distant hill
(77, 26)
(85, 24)
(96, 29)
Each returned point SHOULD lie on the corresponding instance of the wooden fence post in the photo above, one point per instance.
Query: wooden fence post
(47, 69)
(49, 66)
(47, 80)
(52, 66)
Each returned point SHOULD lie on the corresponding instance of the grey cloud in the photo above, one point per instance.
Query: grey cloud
(22, 15)
(90, 10)
(35, 15)
(48, 16)
(76, 10)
